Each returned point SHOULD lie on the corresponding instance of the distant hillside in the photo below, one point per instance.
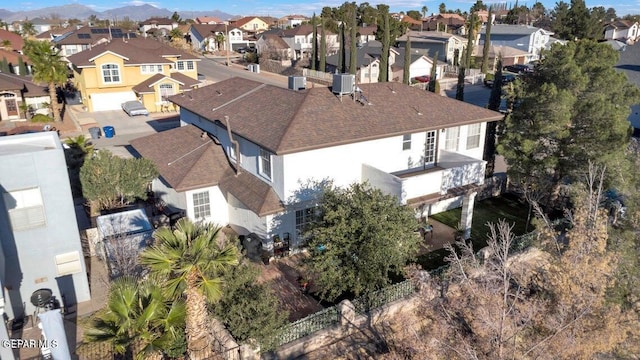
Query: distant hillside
(82, 12)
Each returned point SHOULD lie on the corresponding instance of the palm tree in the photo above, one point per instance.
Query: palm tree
(219, 40)
(28, 30)
(424, 15)
(188, 262)
(176, 34)
(139, 319)
(48, 67)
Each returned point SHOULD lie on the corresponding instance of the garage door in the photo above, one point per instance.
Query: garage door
(111, 101)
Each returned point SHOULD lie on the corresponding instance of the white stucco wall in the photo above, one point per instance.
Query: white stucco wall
(168, 194)
(217, 206)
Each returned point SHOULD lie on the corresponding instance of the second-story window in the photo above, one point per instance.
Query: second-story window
(406, 142)
(150, 69)
(473, 136)
(182, 65)
(110, 73)
(265, 163)
(451, 141)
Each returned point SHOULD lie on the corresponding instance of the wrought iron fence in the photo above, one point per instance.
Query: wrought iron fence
(366, 303)
(310, 324)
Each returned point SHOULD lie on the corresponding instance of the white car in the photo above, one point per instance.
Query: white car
(133, 108)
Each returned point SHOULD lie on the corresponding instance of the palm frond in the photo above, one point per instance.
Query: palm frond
(211, 288)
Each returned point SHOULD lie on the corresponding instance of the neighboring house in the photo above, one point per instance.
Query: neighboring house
(428, 42)
(412, 23)
(368, 62)
(616, 45)
(41, 25)
(204, 37)
(523, 37)
(142, 69)
(229, 166)
(11, 41)
(273, 47)
(448, 23)
(300, 39)
(250, 24)
(157, 26)
(623, 30)
(83, 38)
(420, 65)
(366, 33)
(38, 228)
(211, 20)
(51, 34)
(510, 56)
(629, 63)
(19, 93)
(290, 21)
(13, 59)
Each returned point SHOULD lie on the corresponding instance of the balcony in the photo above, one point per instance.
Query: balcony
(453, 175)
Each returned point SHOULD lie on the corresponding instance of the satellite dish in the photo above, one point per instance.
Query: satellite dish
(41, 297)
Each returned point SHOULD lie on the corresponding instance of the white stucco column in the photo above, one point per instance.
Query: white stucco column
(467, 213)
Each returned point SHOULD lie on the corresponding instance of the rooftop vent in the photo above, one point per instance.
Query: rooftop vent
(297, 83)
(343, 84)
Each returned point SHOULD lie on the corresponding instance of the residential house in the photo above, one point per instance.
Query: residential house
(83, 38)
(20, 98)
(142, 69)
(412, 23)
(623, 30)
(38, 228)
(13, 59)
(256, 173)
(11, 41)
(629, 63)
(211, 20)
(290, 21)
(273, 47)
(420, 65)
(251, 24)
(366, 33)
(448, 23)
(447, 45)
(51, 34)
(368, 62)
(157, 27)
(300, 39)
(204, 37)
(41, 25)
(523, 37)
(510, 56)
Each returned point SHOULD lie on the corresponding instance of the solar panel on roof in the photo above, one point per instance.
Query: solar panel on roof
(84, 36)
(116, 31)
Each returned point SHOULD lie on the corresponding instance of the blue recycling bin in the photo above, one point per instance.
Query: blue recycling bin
(109, 131)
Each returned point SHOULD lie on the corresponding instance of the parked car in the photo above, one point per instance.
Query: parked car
(423, 79)
(506, 78)
(519, 68)
(133, 108)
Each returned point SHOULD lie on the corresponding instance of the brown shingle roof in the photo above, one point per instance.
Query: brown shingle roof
(293, 121)
(207, 20)
(147, 85)
(12, 56)
(16, 40)
(11, 82)
(158, 21)
(87, 35)
(210, 29)
(135, 51)
(276, 41)
(186, 160)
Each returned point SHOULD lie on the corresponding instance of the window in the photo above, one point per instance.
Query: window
(430, 148)
(182, 65)
(110, 73)
(473, 136)
(201, 206)
(265, 163)
(166, 90)
(451, 141)
(150, 69)
(305, 217)
(25, 208)
(406, 142)
(190, 65)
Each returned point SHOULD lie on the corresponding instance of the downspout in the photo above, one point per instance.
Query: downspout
(235, 144)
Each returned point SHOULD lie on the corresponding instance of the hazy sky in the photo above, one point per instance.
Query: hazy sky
(278, 8)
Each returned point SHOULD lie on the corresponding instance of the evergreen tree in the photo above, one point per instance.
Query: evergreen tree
(432, 79)
(468, 52)
(342, 61)
(442, 8)
(22, 67)
(4, 66)
(491, 133)
(560, 21)
(406, 75)
(496, 91)
(487, 44)
(353, 56)
(314, 51)
(460, 84)
(323, 49)
(582, 24)
(384, 57)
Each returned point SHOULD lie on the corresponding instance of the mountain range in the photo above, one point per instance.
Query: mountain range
(82, 12)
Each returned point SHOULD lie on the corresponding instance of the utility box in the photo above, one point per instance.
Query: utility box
(343, 84)
(297, 83)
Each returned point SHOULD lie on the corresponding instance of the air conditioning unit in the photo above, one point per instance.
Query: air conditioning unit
(297, 83)
(343, 84)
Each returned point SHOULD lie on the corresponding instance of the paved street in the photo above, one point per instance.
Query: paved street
(214, 69)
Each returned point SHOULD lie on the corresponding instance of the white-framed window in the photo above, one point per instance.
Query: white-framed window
(406, 142)
(452, 139)
(182, 65)
(26, 210)
(166, 90)
(150, 69)
(304, 217)
(265, 163)
(110, 73)
(201, 205)
(430, 147)
(190, 65)
(473, 136)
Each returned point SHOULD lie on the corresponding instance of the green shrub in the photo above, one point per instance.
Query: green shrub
(489, 76)
(40, 118)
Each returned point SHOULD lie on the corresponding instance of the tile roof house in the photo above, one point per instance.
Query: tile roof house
(39, 236)
(427, 43)
(366, 33)
(523, 37)
(448, 23)
(142, 69)
(157, 26)
(623, 30)
(11, 41)
(83, 38)
(300, 39)
(234, 167)
(204, 37)
(18, 93)
(251, 24)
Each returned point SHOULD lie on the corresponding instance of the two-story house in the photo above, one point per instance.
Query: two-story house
(157, 27)
(522, 37)
(20, 97)
(300, 39)
(83, 38)
(206, 37)
(622, 30)
(420, 65)
(251, 24)
(229, 166)
(142, 69)
(290, 21)
(367, 62)
(428, 43)
(38, 228)
(366, 33)
(272, 46)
